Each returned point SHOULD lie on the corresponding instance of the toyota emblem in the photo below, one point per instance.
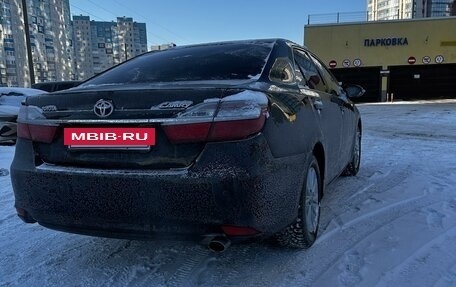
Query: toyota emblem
(103, 108)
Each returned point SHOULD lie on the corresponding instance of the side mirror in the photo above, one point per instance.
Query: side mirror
(354, 91)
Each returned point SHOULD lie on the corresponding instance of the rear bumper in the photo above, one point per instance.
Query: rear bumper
(237, 183)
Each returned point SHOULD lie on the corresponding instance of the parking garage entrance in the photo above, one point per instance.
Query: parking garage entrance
(422, 81)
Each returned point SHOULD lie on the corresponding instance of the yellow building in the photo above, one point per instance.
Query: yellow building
(404, 59)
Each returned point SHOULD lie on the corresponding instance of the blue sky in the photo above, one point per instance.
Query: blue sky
(198, 21)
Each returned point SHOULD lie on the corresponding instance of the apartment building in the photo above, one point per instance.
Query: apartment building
(62, 49)
(441, 8)
(162, 47)
(50, 41)
(408, 9)
(101, 45)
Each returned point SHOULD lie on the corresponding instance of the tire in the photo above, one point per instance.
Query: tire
(353, 167)
(302, 233)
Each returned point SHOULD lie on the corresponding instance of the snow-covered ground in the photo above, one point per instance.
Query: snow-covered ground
(392, 225)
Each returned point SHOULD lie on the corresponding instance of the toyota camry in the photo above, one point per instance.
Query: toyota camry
(223, 141)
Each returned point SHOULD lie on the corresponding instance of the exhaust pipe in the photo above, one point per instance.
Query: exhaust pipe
(219, 244)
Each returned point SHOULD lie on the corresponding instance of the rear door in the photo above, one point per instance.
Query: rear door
(328, 107)
(347, 109)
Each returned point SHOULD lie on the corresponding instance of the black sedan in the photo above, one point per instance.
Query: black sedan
(226, 141)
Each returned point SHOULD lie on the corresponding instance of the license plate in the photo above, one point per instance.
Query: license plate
(110, 138)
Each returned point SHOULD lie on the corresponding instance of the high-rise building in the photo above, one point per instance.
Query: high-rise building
(50, 42)
(100, 45)
(390, 9)
(162, 47)
(440, 8)
(62, 49)
(407, 9)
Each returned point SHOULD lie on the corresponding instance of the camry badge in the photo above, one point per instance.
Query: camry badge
(103, 108)
(173, 105)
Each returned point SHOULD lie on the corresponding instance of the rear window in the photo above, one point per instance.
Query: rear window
(237, 61)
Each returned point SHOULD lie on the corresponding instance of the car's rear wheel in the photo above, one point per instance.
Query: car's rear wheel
(353, 167)
(302, 233)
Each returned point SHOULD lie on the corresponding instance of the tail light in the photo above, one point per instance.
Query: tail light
(24, 215)
(33, 125)
(231, 118)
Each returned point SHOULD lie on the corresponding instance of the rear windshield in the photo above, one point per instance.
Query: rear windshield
(237, 61)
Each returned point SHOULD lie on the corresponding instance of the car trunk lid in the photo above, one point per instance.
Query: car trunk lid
(180, 120)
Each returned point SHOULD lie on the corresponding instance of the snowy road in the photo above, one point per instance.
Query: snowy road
(392, 225)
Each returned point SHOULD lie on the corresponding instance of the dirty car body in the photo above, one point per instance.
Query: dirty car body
(236, 126)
